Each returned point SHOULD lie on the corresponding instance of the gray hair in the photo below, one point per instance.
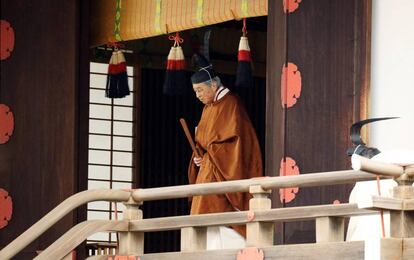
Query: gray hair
(216, 79)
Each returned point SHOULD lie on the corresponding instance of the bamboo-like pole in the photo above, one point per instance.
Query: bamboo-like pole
(303, 180)
(385, 169)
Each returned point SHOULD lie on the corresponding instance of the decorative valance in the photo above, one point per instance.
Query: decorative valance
(123, 20)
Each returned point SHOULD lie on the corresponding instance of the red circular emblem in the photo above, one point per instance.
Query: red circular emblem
(288, 167)
(6, 208)
(7, 39)
(291, 85)
(291, 5)
(6, 123)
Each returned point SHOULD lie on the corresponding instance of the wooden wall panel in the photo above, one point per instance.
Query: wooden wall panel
(38, 166)
(275, 115)
(329, 43)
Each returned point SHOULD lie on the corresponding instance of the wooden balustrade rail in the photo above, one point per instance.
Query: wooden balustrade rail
(76, 235)
(240, 217)
(266, 183)
(58, 213)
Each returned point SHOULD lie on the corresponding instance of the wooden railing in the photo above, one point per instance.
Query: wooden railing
(101, 248)
(259, 219)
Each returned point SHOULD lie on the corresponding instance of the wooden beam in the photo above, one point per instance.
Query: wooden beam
(334, 250)
(239, 218)
(408, 249)
(383, 249)
(378, 203)
(385, 169)
(408, 205)
(76, 235)
(377, 249)
(303, 180)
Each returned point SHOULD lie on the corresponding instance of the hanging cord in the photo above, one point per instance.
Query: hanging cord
(176, 38)
(244, 30)
(117, 234)
(114, 45)
(381, 212)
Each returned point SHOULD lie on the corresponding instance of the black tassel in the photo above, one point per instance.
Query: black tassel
(175, 76)
(244, 76)
(117, 80)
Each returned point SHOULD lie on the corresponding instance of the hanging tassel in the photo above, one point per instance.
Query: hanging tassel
(244, 76)
(117, 80)
(175, 76)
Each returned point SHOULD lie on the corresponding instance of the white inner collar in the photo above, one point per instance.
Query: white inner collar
(220, 93)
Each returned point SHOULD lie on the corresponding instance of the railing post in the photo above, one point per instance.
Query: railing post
(259, 233)
(330, 229)
(131, 243)
(402, 222)
(193, 239)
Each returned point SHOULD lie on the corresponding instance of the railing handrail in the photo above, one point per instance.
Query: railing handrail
(267, 183)
(301, 213)
(77, 234)
(58, 213)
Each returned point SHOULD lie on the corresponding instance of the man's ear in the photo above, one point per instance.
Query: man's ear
(214, 85)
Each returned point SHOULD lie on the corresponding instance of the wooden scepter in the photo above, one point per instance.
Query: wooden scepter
(189, 138)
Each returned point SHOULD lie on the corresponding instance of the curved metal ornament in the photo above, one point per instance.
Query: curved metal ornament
(356, 139)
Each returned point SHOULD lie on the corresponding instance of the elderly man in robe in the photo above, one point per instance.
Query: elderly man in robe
(230, 151)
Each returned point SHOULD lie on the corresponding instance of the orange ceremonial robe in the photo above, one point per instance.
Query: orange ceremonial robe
(231, 152)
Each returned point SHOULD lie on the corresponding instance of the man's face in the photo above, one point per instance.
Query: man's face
(204, 92)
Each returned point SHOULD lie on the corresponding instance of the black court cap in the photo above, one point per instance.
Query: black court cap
(205, 70)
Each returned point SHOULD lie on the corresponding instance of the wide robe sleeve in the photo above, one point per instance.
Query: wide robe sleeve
(234, 149)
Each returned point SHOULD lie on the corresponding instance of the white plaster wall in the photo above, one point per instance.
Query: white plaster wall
(392, 78)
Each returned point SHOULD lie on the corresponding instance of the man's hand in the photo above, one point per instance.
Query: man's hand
(197, 161)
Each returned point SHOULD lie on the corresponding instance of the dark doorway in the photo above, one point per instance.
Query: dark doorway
(165, 153)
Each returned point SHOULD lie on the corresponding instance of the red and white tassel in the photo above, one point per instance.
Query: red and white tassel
(117, 80)
(244, 76)
(175, 76)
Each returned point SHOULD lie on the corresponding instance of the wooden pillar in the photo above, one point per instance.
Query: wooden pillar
(259, 233)
(325, 88)
(131, 243)
(193, 239)
(330, 229)
(402, 222)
